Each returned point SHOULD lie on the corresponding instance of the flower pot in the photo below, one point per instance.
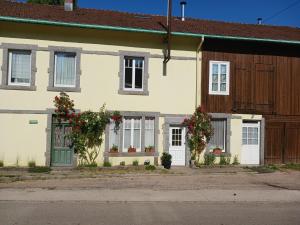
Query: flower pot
(217, 151)
(167, 165)
(131, 150)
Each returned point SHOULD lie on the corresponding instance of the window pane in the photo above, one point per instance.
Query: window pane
(139, 63)
(244, 141)
(215, 69)
(65, 69)
(214, 86)
(223, 69)
(113, 136)
(128, 77)
(137, 138)
(127, 139)
(215, 78)
(223, 87)
(223, 78)
(149, 132)
(20, 66)
(138, 78)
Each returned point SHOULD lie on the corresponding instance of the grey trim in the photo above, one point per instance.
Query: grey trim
(143, 115)
(146, 56)
(17, 111)
(8, 46)
(176, 121)
(54, 49)
(111, 53)
(228, 118)
(262, 141)
(175, 115)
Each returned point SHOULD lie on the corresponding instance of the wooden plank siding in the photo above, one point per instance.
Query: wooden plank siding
(264, 80)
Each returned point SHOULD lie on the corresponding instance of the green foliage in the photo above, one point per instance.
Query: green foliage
(39, 169)
(87, 127)
(292, 166)
(122, 163)
(1, 163)
(235, 160)
(48, 2)
(31, 163)
(209, 159)
(106, 164)
(90, 165)
(199, 130)
(147, 162)
(264, 169)
(166, 160)
(135, 163)
(150, 167)
(224, 159)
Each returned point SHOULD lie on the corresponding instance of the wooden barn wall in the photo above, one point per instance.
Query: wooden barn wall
(264, 78)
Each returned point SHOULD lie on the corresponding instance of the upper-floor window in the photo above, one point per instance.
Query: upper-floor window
(133, 73)
(65, 69)
(19, 67)
(219, 78)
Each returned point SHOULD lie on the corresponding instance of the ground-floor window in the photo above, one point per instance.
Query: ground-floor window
(218, 140)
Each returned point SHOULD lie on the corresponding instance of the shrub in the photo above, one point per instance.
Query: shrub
(135, 163)
(147, 162)
(209, 159)
(150, 167)
(166, 160)
(1, 163)
(106, 164)
(31, 163)
(91, 165)
(235, 160)
(122, 163)
(39, 169)
(224, 159)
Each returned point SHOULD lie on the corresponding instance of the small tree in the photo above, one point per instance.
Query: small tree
(199, 131)
(87, 127)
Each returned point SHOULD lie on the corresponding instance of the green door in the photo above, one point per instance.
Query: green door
(61, 153)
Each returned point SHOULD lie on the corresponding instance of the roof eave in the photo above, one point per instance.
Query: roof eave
(141, 30)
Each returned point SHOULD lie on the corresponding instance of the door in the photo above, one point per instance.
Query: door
(250, 143)
(177, 145)
(61, 153)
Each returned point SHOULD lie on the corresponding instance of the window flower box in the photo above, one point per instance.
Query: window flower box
(217, 151)
(149, 149)
(114, 149)
(131, 150)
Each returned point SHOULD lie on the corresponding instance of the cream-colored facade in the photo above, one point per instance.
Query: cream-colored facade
(173, 96)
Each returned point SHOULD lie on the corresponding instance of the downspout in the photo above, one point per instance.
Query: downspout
(198, 73)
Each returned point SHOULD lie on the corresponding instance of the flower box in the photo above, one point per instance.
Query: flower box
(131, 150)
(149, 149)
(217, 151)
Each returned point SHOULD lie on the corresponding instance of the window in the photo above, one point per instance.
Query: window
(176, 137)
(19, 67)
(113, 136)
(250, 136)
(219, 137)
(132, 133)
(149, 132)
(218, 78)
(133, 73)
(65, 69)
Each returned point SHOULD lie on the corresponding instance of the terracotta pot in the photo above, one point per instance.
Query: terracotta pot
(217, 151)
(131, 150)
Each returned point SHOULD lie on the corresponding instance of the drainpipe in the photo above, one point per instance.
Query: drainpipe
(198, 73)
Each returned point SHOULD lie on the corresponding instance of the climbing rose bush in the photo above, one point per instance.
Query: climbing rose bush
(199, 130)
(87, 127)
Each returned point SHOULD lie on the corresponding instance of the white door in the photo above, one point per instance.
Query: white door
(251, 139)
(177, 145)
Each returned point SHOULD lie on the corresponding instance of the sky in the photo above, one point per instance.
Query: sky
(241, 11)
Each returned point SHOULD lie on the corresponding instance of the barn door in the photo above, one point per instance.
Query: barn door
(292, 143)
(61, 152)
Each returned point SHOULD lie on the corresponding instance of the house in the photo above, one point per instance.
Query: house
(244, 75)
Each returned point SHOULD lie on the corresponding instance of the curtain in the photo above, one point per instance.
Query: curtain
(113, 136)
(127, 134)
(137, 134)
(20, 66)
(65, 69)
(218, 139)
(149, 132)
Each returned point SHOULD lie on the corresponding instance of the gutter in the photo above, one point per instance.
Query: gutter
(198, 73)
(140, 30)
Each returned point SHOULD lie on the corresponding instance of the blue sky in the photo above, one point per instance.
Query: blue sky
(243, 11)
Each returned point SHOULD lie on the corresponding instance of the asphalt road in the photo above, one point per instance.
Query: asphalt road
(136, 213)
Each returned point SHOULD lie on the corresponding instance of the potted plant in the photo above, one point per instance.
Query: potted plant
(114, 149)
(166, 160)
(131, 149)
(217, 151)
(149, 149)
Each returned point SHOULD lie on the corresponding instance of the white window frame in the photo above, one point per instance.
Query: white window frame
(132, 134)
(219, 63)
(133, 73)
(10, 69)
(224, 135)
(64, 85)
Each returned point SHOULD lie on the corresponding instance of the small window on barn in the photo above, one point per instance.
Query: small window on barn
(218, 78)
